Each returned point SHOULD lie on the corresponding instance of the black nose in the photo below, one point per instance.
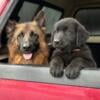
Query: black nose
(56, 42)
(26, 47)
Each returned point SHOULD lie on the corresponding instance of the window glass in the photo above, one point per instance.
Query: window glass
(90, 18)
(27, 11)
(52, 15)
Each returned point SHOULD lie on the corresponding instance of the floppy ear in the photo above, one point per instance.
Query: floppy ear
(52, 37)
(81, 35)
(40, 18)
(10, 28)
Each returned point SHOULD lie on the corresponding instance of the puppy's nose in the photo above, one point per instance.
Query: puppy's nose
(56, 42)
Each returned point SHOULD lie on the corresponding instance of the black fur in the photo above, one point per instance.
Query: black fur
(71, 52)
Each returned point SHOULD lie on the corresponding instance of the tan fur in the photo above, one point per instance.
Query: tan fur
(40, 57)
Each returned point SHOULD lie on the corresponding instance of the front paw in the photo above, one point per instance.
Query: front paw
(72, 72)
(56, 71)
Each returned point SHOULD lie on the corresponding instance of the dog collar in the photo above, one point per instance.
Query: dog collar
(76, 50)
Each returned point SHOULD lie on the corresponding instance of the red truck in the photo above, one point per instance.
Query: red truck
(22, 82)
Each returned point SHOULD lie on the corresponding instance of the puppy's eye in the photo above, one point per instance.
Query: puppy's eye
(65, 29)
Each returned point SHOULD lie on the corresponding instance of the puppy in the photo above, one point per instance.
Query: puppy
(26, 43)
(71, 52)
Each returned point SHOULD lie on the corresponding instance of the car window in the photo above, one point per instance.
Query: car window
(24, 11)
(27, 11)
(52, 16)
(91, 19)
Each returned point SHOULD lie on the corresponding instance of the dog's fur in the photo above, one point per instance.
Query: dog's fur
(71, 52)
(26, 38)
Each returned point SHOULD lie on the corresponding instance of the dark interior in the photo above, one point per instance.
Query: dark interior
(40, 4)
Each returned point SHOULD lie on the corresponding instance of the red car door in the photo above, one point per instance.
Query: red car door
(28, 83)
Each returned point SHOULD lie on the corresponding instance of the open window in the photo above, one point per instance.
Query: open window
(24, 11)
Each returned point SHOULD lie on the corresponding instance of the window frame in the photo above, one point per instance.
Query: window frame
(35, 73)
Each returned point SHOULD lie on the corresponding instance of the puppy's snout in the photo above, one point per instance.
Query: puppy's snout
(56, 42)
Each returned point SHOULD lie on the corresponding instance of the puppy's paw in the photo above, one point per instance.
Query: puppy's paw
(72, 72)
(57, 71)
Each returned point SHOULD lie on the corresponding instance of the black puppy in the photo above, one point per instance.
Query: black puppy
(71, 52)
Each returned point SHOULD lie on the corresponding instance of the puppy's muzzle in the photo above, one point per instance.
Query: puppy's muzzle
(56, 42)
(57, 39)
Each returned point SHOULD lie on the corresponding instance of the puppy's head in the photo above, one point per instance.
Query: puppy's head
(26, 35)
(68, 32)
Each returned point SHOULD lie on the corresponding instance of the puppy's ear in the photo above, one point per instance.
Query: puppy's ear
(10, 28)
(52, 37)
(81, 34)
(40, 18)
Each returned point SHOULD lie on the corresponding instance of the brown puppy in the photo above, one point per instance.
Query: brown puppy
(26, 42)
